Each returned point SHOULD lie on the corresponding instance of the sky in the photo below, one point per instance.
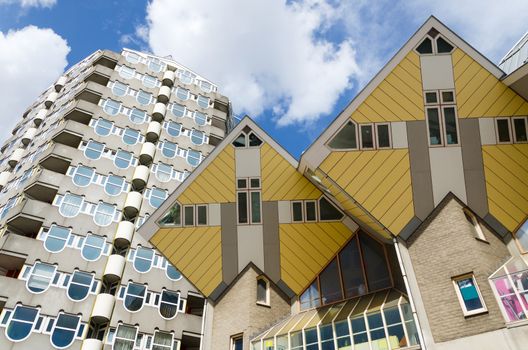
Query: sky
(293, 66)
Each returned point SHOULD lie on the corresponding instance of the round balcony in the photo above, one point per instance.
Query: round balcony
(60, 83)
(159, 111)
(147, 153)
(29, 135)
(133, 204)
(168, 78)
(40, 117)
(164, 94)
(92, 344)
(15, 157)
(103, 307)
(124, 234)
(140, 177)
(4, 178)
(153, 131)
(114, 267)
(51, 99)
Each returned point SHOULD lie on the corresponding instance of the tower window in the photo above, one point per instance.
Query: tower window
(169, 304)
(93, 247)
(56, 238)
(80, 285)
(134, 296)
(40, 278)
(125, 337)
(22, 322)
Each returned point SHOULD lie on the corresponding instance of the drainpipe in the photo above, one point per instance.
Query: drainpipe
(408, 289)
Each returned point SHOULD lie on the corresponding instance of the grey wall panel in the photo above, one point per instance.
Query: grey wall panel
(270, 214)
(229, 242)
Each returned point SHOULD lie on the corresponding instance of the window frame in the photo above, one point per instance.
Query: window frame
(70, 281)
(97, 214)
(84, 244)
(266, 301)
(76, 172)
(376, 135)
(513, 131)
(92, 149)
(356, 137)
(144, 297)
(467, 313)
(119, 151)
(144, 259)
(234, 339)
(440, 107)
(164, 290)
(32, 272)
(361, 126)
(196, 219)
(33, 323)
(129, 341)
(473, 220)
(248, 190)
(60, 238)
(496, 124)
(79, 322)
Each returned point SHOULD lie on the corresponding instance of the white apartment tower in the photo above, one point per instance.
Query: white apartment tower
(88, 162)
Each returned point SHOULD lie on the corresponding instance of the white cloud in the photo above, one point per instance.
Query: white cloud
(30, 60)
(265, 55)
(30, 3)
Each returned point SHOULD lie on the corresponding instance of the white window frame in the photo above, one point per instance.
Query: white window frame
(514, 134)
(376, 125)
(33, 325)
(69, 329)
(479, 233)
(31, 273)
(76, 283)
(372, 128)
(266, 302)
(481, 310)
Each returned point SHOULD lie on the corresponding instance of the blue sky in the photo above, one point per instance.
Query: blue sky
(292, 66)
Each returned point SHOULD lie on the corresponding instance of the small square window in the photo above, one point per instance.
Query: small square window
(448, 97)
(241, 183)
(255, 183)
(469, 295)
(431, 97)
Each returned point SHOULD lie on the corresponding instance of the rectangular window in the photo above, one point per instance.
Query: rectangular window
(237, 342)
(448, 96)
(431, 97)
(188, 213)
(472, 219)
(311, 211)
(503, 130)
(201, 214)
(242, 207)
(249, 201)
(442, 121)
(450, 126)
(297, 211)
(469, 295)
(519, 127)
(255, 207)
(433, 123)
(383, 135)
(367, 137)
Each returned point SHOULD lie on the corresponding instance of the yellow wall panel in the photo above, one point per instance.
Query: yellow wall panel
(479, 95)
(195, 252)
(281, 181)
(506, 173)
(306, 248)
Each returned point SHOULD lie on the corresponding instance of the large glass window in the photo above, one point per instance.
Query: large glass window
(21, 323)
(114, 185)
(197, 137)
(169, 304)
(149, 81)
(127, 72)
(173, 216)
(173, 273)
(352, 270)
(137, 116)
(83, 175)
(163, 341)
(79, 286)
(248, 201)
(64, 331)
(103, 127)
(40, 277)
(125, 337)
(154, 65)
(134, 296)
(311, 339)
(104, 214)
(112, 107)
(510, 282)
(132, 57)
(143, 259)
(203, 101)
(376, 268)
(178, 110)
(441, 118)
(143, 97)
(157, 197)
(94, 150)
(310, 298)
(93, 247)
(182, 94)
(169, 149)
(200, 118)
(71, 205)
(56, 238)
(346, 138)
(119, 89)
(174, 129)
(131, 136)
(330, 283)
(123, 159)
(193, 157)
(163, 172)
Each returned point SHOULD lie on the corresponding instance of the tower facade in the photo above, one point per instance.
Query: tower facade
(88, 163)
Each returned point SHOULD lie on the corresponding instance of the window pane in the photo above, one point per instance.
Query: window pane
(469, 293)
(262, 291)
(178, 110)
(375, 263)
(94, 150)
(197, 137)
(431, 97)
(92, 247)
(297, 211)
(353, 280)
(443, 46)
(522, 236)
(202, 214)
(123, 159)
(17, 330)
(149, 81)
(114, 185)
(366, 136)
(242, 208)
(327, 211)
(425, 47)
(137, 116)
(174, 129)
(330, 283)
(345, 138)
(173, 217)
(83, 176)
(130, 136)
(134, 297)
(193, 157)
(254, 141)
(240, 141)
(433, 120)
(200, 118)
(104, 214)
(310, 297)
(103, 127)
(143, 259)
(520, 129)
(311, 212)
(40, 277)
(70, 205)
(450, 126)
(189, 215)
(64, 332)
(56, 238)
(242, 183)
(383, 136)
(448, 96)
(173, 273)
(157, 196)
(255, 207)
(143, 97)
(119, 89)
(79, 286)
(503, 129)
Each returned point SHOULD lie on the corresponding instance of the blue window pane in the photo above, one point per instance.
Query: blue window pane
(103, 127)
(130, 136)
(83, 176)
(173, 273)
(56, 238)
(119, 89)
(114, 185)
(21, 323)
(203, 101)
(157, 197)
(143, 97)
(127, 72)
(93, 247)
(135, 296)
(197, 137)
(169, 149)
(123, 159)
(174, 129)
(182, 94)
(80, 285)
(143, 259)
(138, 116)
(200, 118)
(70, 205)
(64, 332)
(40, 278)
(178, 110)
(469, 293)
(111, 107)
(104, 214)
(150, 81)
(94, 150)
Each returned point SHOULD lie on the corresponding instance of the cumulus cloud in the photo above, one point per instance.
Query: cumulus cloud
(30, 3)
(30, 60)
(265, 55)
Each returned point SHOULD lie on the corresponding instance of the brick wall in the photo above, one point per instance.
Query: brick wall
(444, 247)
(237, 311)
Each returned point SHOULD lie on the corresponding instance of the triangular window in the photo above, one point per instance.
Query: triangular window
(426, 46)
(443, 46)
(346, 138)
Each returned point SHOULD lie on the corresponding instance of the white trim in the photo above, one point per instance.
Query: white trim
(471, 276)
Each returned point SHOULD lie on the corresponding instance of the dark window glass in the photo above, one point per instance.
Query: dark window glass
(520, 129)
(21, 324)
(311, 212)
(345, 138)
(450, 125)
(375, 263)
(240, 141)
(255, 207)
(238, 344)
(330, 283)
(255, 183)
(188, 213)
(173, 273)
(431, 97)
(173, 217)
(262, 291)
(433, 119)
(443, 46)
(425, 47)
(353, 279)
(135, 296)
(297, 211)
(254, 140)
(80, 285)
(242, 208)
(202, 215)
(367, 141)
(383, 136)
(64, 332)
(169, 304)
(469, 293)
(242, 183)
(448, 96)
(310, 297)
(327, 211)
(503, 129)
